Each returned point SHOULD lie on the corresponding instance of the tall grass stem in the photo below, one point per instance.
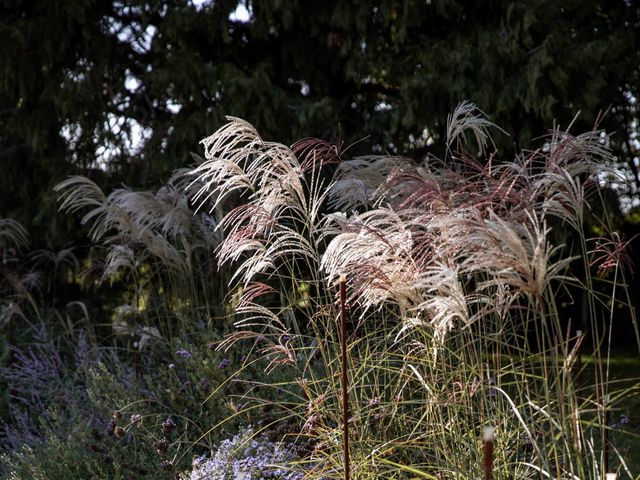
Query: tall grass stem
(345, 395)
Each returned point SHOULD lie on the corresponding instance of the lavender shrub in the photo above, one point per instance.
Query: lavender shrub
(36, 380)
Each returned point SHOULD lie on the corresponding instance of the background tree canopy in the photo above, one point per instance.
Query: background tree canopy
(124, 90)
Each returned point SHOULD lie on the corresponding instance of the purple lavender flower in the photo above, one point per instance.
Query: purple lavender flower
(204, 384)
(111, 427)
(224, 363)
(135, 418)
(162, 446)
(184, 353)
(624, 420)
(168, 425)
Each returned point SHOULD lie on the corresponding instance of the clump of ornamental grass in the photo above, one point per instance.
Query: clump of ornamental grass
(454, 288)
(17, 283)
(152, 242)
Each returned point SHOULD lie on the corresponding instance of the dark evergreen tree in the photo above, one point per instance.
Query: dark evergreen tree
(136, 84)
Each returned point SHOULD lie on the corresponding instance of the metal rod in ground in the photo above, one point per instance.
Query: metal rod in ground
(487, 437)
(607, 420)
(343, 358)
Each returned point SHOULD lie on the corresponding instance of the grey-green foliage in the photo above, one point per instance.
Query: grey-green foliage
(79, 411)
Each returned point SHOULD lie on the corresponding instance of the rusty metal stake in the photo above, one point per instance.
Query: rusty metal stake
(607, 420)
(343, 350)
(488, 436)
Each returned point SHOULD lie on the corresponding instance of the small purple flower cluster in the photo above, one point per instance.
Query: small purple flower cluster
(246, 457)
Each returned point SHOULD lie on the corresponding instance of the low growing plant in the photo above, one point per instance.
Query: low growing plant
(247, 456)
(86, 412)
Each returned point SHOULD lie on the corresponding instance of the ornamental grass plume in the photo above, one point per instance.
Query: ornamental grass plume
(374, 250)
(14, 283)
(467, 118)
(135, 226)
(456, 275)
(268, 227)
(13, 236)
(356, 181)
(157, 244)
